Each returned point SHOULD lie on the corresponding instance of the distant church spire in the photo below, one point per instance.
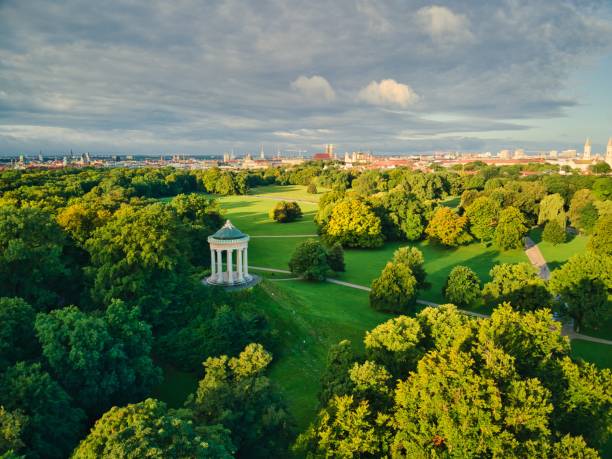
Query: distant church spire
(587, 149)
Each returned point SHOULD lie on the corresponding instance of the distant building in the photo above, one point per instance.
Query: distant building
(504, 154)
(329, 154)
(609, 152)
(586, 154)
(519, 153)
(553, 154)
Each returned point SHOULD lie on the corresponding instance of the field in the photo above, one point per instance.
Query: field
(556, 255)
(312, 316)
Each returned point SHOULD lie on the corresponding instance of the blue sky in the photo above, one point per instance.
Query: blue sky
(198, 77)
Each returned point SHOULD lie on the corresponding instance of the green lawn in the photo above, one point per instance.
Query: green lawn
(599, 354)
(287, 192)
(556, 255)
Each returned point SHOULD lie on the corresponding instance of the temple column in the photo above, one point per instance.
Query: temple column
(230, 268)
(245, 264)
(239, 259)
(219, 265)
(213, 264)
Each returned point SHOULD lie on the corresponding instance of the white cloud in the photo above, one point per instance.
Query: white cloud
(442, 25)
(314, 88)
(388, 92)
(377, 22)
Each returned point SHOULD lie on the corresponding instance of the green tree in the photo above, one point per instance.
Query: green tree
(462, 286)
(601, 167)
(589, 215)
(581, 198)
(335, 258)
(335, 379)
(518, 284)
(395, 290)
(482, 215)
(448, 228)
(51, 425)
(309, 260)
(414, 259)
(511, 229)
(584, 285)
(12, 424)
(149, 429)
(551, 208)
(352, 223)
(312, 188)
(601, 239)
(285, 212)
(236, 394)
(101, 360)
(17, 338)
(31, 264)
(553, 233)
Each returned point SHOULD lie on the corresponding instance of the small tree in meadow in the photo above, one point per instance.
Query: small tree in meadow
(462, 286)
(553, 233)
(285, 212)
(413, 258)
(395, 290)
(312, 188)
(309, 260)
(335, 257)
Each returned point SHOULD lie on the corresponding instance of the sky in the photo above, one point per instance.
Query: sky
(390, 76)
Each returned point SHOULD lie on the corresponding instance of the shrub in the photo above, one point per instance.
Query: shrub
(285, 212)
(395, 290)
(553, 233)
(309, 260)
(335, 257)
(462, 286)
(312, 188)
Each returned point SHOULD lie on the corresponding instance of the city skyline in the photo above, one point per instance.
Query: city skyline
(386, 76)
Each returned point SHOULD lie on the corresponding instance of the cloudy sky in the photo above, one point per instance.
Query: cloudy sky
(207, 76)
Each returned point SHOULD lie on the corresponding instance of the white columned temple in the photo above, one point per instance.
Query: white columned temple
(229, 239)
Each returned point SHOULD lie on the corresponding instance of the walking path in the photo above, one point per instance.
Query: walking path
(566, 330)
(281, 198)
(286, 235)
(536, 258)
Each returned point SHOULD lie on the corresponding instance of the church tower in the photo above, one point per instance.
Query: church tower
(587, 149)
(609, 152)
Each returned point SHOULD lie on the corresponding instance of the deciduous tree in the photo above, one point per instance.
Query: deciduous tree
(353, 224)
(511, 229)
(483, 214)
(285, 212)
(462, 286)
(518, 284)
(448, 228)
(395, 290)
(309, 260)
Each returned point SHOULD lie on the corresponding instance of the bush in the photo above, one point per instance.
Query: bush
(553, 233)
(395, 290)
(335, 258)
(285, 212)
(309, 260)
(312, 188)
(462, 286)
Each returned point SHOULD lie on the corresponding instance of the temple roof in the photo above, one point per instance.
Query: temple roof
(229, 231)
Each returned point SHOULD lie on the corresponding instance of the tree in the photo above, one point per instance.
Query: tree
(448, 228)
(462, 286)
(589, 215)
(482, 215)
(309, 260)
(50, 424)
(352, 223)
(312, 188)
(413, 258)
(511, 229)
(600, 167)
(518, 284)
(236, 394)
(335, 258)
(553, 233)
(285, 212)
(101, 360)
(441, 385)
(31, 264)
(601, 239)
(551, 208)
(149, 429)
(580, 200)
(584, 284)
(12, 424)
(17, 338)
(335, 379)
(395, 290)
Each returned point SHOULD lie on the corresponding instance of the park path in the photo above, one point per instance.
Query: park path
(536, 258)
(566, 330)
(286, 235)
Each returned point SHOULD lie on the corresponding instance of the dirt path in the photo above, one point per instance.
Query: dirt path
(566, 330)
(536, 258)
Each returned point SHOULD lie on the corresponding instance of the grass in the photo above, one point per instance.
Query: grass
(599, 354)
(556, 255)
(287, 192)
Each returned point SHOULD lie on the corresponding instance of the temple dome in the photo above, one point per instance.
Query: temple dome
(229, 231)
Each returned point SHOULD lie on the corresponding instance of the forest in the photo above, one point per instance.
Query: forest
(100, 287)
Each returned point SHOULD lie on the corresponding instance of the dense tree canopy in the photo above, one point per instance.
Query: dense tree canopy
(601, 239)
(511, 228)
(448, 228)
(149, 429)
(553, 233)
(518, 284)
(482, 215)
(584, 286)
(463, 390)
(102, 360)
(17, 338)
(551, 209)
(353, 224)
